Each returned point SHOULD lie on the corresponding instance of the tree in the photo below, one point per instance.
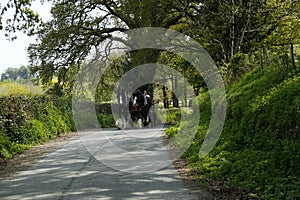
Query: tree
(77, 27)
(226, 29)
(16, 74)
(20, 17)
(287, 31)
(229, 28)
(24, 72)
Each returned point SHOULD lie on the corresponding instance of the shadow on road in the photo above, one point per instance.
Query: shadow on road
(72, 173)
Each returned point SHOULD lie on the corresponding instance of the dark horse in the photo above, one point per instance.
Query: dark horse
(139, 106)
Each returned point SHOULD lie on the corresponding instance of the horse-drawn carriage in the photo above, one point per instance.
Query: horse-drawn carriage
(139, 109)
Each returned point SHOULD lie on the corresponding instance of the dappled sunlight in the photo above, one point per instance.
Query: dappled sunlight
(73, 173)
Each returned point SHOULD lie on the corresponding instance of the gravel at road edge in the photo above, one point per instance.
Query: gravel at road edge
(19, 162)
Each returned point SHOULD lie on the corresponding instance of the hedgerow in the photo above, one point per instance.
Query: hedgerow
(106, 120)
(26, 120)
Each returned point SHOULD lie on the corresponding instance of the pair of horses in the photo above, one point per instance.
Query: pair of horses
(139, 106)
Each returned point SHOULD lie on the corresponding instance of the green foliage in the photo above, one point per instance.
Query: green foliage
(80, 40)
(239, 65)
(53, 119)
(189, 72)
(30, 120)
(226, 30)
(259, 149)
(20, 17)
(32, 132)
(168, 116)
(103, 121)
(5, 145)
(173, 116)
(106, 120)
(13, 88)
(171, 132)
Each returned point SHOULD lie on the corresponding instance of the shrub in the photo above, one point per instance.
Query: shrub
(13, 88)
(5, 145)
(33, 132)
(52, 117)
(26, 120)
(106, 120)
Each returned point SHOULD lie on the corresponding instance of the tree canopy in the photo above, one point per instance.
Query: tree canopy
(77, 27)
(231, 31)
(19, 17)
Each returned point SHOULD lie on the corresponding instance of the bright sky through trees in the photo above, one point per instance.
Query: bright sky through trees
(13, 53)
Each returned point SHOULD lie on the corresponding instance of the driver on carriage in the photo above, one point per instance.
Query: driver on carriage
(139, 106)
(146, 98)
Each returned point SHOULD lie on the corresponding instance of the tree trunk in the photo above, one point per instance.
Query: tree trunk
(185, 95)
(292, 56)
(261, 58)
(267, 57)
(232, 28)
(166, 103)
(174, 88)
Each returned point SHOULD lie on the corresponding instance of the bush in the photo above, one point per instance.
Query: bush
(54, 120)
(106, 120)
(33, 132)
(13, 88)
(29, 120)
(5, 145)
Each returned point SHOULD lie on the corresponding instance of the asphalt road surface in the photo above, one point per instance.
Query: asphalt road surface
(108, 164)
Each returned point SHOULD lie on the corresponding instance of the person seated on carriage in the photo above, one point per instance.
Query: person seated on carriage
(139, 106)
(147, 99)
(146, 95)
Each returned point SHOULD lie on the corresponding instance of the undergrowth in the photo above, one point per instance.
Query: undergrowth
(259, 148)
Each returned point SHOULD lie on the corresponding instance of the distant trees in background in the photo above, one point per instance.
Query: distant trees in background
(14, 74)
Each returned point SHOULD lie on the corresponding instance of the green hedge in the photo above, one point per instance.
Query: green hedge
(259, 148)
(30, 120)
(106, 120)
